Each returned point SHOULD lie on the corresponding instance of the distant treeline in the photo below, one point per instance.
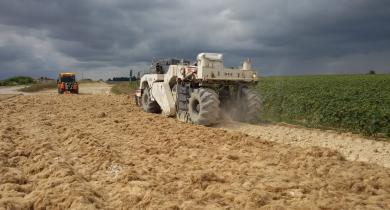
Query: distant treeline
(20, 80)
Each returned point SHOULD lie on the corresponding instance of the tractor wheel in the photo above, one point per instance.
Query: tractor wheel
(249, 106)
(147, 104)
(203, 106)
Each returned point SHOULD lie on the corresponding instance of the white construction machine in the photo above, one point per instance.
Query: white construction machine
(200, 93)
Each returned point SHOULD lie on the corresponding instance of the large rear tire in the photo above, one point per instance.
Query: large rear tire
(249, 106)
(147, 104)
(203, 106)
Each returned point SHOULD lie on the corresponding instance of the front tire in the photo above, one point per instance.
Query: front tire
(147, 104)
(203, 106)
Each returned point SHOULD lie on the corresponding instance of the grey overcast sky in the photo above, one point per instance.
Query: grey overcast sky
(105, 38)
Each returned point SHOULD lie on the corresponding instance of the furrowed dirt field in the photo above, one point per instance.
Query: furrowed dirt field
(102, 152)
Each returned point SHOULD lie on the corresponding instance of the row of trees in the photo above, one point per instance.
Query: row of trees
(20, 80)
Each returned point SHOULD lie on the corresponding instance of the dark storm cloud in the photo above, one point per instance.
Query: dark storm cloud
(357, 28)
(282, 37)
(15, 57)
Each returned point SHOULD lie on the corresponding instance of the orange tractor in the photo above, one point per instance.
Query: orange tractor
(66, 83)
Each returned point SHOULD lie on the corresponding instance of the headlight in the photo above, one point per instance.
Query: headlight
(254, 76)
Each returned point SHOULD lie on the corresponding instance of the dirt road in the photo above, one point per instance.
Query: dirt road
(10, 90)
(96, 88)
(351, 146)
(84, 88)
(102, 152)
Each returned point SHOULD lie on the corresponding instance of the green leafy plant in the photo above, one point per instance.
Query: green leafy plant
(358, 103)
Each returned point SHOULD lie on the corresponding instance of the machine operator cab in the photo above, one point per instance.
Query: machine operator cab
(210, 60)
(162, 66)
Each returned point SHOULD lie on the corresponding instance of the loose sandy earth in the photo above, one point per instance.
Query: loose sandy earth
(351, 146)
(102, 152)
(6, 96)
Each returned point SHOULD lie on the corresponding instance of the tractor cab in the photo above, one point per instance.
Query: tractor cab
(161, 66)
(66, 83)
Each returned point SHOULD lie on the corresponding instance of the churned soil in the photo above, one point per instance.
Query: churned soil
(103, 152)
(352, 146)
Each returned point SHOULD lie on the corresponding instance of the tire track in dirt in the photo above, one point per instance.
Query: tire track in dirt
(101, 152)
(351, 146)
(7, 96)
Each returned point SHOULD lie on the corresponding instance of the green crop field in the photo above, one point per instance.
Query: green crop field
(357, 103)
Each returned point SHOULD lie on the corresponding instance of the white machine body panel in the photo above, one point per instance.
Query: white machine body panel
(151, 78)
(161, 92)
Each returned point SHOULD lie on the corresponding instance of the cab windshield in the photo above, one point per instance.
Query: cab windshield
(68, 79)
